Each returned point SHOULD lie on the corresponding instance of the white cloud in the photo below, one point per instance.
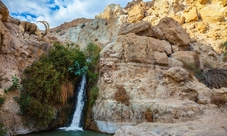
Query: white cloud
(57, 12)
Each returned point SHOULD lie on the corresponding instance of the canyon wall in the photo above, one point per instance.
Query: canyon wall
(144, 77)
(146, 84)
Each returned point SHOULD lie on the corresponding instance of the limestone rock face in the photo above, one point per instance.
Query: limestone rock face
(188, 13)
(136, 12)
(15, 55)
(4, 12)
(111, 11)
(132, 131)
(192, 15)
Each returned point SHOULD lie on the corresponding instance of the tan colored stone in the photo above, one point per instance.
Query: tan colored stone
(179, 19)
(160, 58)
(142, 28)
(4, 12)
(136, 49)
(211, 14)
(219, 96)
(188, 57)
(221, 2)
(192, 15)
(202, 27)
(173, 32)
(136, 13)
(111, 11)
(177, 73)
(133, 131)
(134, 28)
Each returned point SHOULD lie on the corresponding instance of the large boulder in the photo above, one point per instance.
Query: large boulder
(142, 28)
(174, 32)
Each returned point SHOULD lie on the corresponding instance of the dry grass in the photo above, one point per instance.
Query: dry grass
(67, 91)
(149, 115)
(122, 96)
(215, 78)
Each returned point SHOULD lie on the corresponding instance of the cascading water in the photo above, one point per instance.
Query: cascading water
(75, 125)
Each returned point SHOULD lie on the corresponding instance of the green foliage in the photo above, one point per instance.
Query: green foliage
(93, 95)
(92, 52)
(224, 46)
(149, 115)
(194, 70)
(42, 86)
(224, 49)
(2, 100)
(58, 31)
(16, 84)
(2, 130)
(77, 70)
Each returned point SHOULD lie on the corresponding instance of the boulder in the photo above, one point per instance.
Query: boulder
(219, 96)
(174, 32)
(142, 28)
(134, 27)
(177, 73)
(187, 57)
(136, 49)
(191, 15)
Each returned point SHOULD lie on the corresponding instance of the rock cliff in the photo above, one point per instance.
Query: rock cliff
(145, 74)
(15, 55)
(155, 63)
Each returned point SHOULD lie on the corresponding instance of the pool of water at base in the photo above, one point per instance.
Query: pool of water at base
(68, 133)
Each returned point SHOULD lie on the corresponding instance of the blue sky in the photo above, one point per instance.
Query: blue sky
(56, 12)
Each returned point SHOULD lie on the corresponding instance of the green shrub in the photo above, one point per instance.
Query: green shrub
(2, 100)
(58, 31)
(149, 115)
(15, 86)
(93, 95)
(43, 81)
(2, 130)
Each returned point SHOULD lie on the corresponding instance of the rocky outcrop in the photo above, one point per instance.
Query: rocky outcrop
(210, 121)
(147, 60)
(145, 49)
(15, 55)
(4, 12)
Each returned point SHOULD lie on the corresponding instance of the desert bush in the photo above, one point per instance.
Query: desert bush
(2, 100)
(58, 31)
(149, 115)
(45, 82)
(15, 86)
(121, 96)
(2, 129)
(212, 78)
(94, 92)
(92, 52)
(215, 78)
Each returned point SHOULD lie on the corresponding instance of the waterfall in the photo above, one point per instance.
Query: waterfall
(75, 124)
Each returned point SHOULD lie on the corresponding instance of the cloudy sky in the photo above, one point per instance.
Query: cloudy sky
(57, 12)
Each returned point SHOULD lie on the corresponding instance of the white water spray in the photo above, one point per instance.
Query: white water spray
(75, 125)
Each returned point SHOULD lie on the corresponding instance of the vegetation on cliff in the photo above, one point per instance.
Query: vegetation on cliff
(45, 81)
